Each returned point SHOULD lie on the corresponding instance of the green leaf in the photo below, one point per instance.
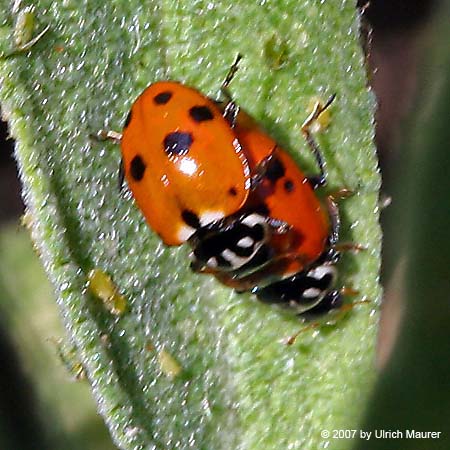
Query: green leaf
(240, 386)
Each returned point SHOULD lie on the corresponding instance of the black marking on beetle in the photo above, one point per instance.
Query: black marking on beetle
(321, 283)
(289, 186)
(292, 289)
(177, 143)
(264, 255)
(211, 244)
(332, 300)
(258, 232)
(162, 98)
(137, 168)
(222, 262)
(243, 252)
(127, 120)
(201, 113)
(262, 210)
(275, 170)
(232, 191)
(190, 218)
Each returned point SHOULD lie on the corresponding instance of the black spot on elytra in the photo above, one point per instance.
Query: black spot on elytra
(232, 191)
(289, 186)
(162, 98)
(127, 120)
(177, 143)
(190, 218)
(201, 113)
(137, 168)
(275, 170)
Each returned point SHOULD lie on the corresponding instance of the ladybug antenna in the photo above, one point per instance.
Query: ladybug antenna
(231, 72)
(229, 77)
(231, 109)
(321, 178)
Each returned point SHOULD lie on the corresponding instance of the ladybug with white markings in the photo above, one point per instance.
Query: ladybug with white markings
(204, 172)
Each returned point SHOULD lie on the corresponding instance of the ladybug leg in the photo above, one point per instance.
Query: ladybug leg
(349, 247)
(231, 109)
(341, 311)
(333, 212)
(321, 179)
(341, 194)
(262, 168)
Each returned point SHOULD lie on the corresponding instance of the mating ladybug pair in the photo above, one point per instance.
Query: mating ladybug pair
(203, 172)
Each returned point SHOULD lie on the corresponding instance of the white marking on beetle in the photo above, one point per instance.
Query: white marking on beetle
(212, 263)
(253, 219)
(311, 293)
(320, 271)
(233, 259)
(245, 242)
(185, 232)
(210, 216)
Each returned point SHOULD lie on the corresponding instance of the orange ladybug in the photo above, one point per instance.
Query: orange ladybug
(182, 161)
(281, 244)
(205, 173)
(287, 195)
